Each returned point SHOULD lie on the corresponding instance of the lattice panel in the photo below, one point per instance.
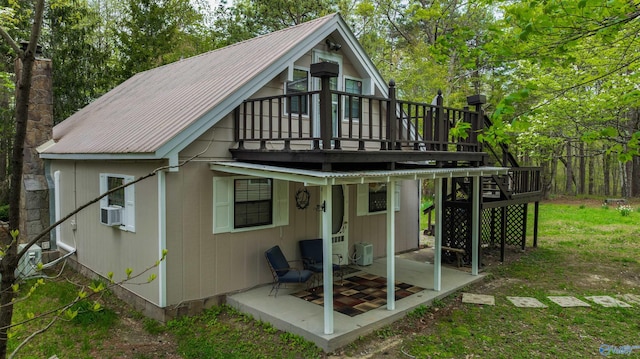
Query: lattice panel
(457, 232)
(490, 227)
(516, 221)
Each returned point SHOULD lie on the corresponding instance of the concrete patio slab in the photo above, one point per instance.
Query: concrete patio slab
(297, 316)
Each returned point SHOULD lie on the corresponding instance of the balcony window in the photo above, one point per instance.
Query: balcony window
(299, 84)
(353, 107)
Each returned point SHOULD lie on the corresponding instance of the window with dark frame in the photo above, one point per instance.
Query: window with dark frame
(377, 197)
(116, 198)
(353, 106)
(300, 84)
(253, 202)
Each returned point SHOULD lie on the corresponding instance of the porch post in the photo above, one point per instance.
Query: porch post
(391, 239)
(535, 223)
(327, 262)
(475, 224)
(437, 246)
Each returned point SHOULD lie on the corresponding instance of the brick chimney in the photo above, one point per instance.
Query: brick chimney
(34, 199)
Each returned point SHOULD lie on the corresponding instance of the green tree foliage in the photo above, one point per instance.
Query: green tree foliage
(246, 19)
(155, 32)
(83, 68)
(591, 47)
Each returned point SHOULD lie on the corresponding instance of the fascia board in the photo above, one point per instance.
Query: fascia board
(99, 156)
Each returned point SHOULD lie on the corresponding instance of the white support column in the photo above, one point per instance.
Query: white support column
(327, 255)
(475, 224)
(391, 239)
(437, 247)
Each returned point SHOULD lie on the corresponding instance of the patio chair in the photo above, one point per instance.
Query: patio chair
(281, 270)
(311, 251)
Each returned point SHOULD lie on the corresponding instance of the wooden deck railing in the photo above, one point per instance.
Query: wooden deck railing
(334, 120)
(525, 180)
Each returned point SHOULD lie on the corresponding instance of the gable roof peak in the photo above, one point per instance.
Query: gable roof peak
(156, 113)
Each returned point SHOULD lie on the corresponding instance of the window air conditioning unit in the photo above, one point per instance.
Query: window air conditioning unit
(364, 254)
(111, 216)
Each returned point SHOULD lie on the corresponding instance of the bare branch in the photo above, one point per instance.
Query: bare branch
(35, 30)
(5, 35)
(33, 335)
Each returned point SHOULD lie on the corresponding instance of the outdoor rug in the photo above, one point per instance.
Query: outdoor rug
(358, 294)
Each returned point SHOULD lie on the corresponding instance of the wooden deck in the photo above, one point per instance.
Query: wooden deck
(341, 130)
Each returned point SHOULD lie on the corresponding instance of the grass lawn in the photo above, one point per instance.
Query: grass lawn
(584, 250)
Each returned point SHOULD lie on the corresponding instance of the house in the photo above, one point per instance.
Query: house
(288, 136)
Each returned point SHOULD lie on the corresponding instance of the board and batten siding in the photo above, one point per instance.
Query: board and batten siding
(102, 248)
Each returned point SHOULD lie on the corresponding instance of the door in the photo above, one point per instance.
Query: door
(339, 223)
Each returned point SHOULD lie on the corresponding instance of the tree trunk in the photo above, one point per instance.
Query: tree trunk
(10, 260)
(592, 175)
(625, 185)
(568, 187)
(635, 177)
(554, 172)
(606, 172)
(582, 174)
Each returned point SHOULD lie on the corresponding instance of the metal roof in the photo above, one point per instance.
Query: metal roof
(317, 178)
(161, 110)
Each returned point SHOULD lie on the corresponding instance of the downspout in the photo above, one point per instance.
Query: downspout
(57, 214)
(162, 239)
(53, 207)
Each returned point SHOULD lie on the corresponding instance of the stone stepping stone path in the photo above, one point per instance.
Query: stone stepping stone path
(607, 301)
(526, 302)
(478, 299)
(568, 301)
(563, 301)
(632, 298)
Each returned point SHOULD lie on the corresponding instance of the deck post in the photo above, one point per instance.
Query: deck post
(325, 71)
(536, 208)
(475, 224)
(392, 119)
(327, 259)
(437, 247)
(478, 125)
(391, 239)
(440, 124)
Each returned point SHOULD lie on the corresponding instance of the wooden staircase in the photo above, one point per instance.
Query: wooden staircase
(503, 205)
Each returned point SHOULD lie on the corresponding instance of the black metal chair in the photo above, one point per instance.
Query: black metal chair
(281, 270)
(312, 257)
